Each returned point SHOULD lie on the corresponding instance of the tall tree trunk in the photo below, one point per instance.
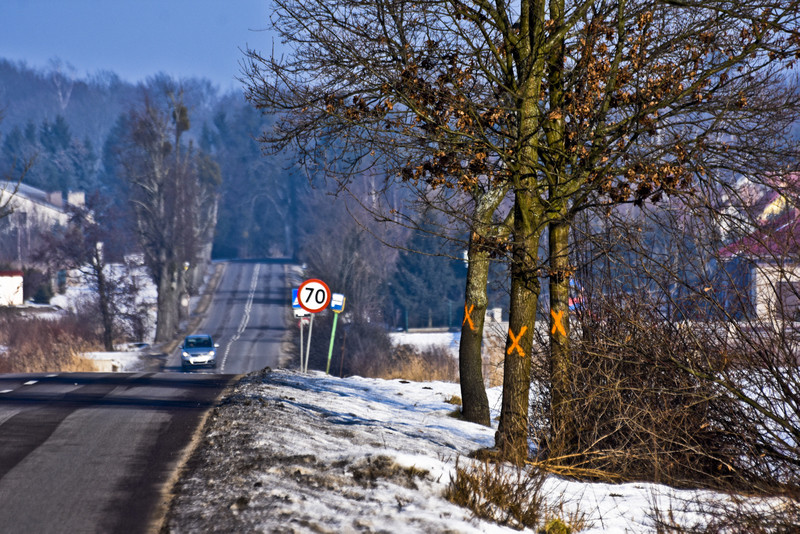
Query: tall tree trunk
(475, 407)
(562, 421)
(104, 299)
(168, 301)
(511, 438)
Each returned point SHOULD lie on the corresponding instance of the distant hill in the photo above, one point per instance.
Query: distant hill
(90, 106)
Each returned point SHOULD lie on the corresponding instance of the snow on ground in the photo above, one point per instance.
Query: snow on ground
(428, 340)
(288, 452)
(116, 362)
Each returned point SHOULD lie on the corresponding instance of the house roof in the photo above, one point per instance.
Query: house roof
(11, 273)
(776, 237)
(29, 192)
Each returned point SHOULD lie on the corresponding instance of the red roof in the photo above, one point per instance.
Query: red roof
(11, 273)
(776, 238)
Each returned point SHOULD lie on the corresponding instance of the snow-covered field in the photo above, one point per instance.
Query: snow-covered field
(428, 340)
(288, 452)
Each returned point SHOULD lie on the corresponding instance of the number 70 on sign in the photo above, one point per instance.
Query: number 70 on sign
(313, 295)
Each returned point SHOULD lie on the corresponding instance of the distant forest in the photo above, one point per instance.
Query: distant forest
(73, 129)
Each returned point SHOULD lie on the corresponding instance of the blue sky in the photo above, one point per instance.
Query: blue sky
(136, 38)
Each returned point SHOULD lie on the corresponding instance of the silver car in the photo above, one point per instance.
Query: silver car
(198, 350)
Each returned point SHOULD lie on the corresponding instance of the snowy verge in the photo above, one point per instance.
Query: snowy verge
(115, 362)
(287, 452)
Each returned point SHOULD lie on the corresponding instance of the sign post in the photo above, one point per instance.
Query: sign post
(312, 297)
(337, 305)
(303, 317)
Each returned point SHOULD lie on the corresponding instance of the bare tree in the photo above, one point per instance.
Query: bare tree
(83, 246)
(563, 103)
(172, 191)
(61, 75)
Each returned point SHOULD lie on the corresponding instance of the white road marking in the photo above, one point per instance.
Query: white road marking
(7, 391)
(30, 382)
(246, 317)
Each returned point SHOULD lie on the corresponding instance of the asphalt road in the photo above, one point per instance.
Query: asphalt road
(97, 452)
(94, 452)
(246, 318)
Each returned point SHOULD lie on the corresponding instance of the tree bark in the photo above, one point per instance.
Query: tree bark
(561, 419)
(475, 407)
(475, 404)
(104, 299)
(511, 439)
(168, 302)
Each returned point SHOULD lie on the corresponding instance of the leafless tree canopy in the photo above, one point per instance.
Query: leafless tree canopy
(173, 193)
(561, 105)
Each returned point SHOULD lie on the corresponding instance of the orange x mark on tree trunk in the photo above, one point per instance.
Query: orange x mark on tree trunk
(467, 316)
(515, 341)
(558, 326)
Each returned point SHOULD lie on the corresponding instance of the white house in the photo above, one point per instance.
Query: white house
(32, 211)
(37, 206)
(11, 288)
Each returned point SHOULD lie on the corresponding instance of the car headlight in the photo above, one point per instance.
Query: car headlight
(212, 353)
(185, 354)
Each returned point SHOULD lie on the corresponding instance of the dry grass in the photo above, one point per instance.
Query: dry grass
(511, 496)
(43, 346)
(734, 515)
(408, 363)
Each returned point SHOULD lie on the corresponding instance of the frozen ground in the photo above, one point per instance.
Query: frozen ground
(287, 452)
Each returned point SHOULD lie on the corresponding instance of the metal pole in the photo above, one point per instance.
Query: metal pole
(330, 347)
(301, 345)
(341, 360)
(308, 346)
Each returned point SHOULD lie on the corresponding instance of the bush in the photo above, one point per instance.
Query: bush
(404, 361)
(36, 286)
(365, 349)
(510, 496)
(638, 415)
(731, 515)
(38, 346)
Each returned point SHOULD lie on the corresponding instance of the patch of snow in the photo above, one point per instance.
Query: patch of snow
(122, 362)
(294, 452)
(428, 340)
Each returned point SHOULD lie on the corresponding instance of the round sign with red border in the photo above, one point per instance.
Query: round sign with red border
(314, 295)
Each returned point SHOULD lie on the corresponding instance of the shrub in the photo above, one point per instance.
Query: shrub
(731, 515)
(37, 346)
(367, 351)
(510, 496)
(638, 415)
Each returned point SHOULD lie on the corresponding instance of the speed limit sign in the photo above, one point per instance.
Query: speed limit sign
(314, 295)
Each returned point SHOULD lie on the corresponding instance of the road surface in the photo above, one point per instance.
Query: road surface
(94, 452)
(246, 318)
(97, 452)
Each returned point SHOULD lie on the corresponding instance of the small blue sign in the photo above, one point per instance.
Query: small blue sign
(295, 302)
(337, 302)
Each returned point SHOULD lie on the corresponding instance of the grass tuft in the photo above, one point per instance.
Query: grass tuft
(44, 346)
(509, 496)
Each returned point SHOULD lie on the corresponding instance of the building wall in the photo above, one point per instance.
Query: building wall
(35, 204)
(776, 292)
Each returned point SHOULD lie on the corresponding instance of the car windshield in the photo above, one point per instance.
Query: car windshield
(197, 342)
